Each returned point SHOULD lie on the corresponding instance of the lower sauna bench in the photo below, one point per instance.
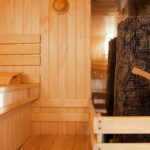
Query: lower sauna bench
(101, 125)
(15, 114)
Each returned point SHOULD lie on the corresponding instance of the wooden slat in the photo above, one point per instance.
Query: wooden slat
(10, 60)
(122, 125)
(19, 49)
(9, 88)
(60, 102)
(68, 117)
(124, 146)
(20, 39)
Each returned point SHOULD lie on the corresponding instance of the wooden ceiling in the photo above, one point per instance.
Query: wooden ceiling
(105, 17)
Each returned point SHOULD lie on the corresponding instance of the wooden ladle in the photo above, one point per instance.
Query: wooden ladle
(141, 73)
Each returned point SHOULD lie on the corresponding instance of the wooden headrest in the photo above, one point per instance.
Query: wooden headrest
(60, 5)
(7, 78)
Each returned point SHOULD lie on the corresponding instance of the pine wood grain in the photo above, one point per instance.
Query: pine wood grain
(58, 142)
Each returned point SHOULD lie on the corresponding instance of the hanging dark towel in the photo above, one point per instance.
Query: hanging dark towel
(111, 76)
(132, 92)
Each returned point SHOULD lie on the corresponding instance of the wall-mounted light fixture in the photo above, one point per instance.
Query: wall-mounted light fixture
(60, 6)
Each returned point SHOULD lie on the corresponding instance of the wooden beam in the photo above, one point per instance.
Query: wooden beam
(19, 49)
(20, 39)
(19, 60)
(60, 117)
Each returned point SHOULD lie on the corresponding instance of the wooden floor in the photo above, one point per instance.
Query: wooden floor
(58, 142)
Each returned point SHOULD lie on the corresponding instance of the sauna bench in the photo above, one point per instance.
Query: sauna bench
(14, 96)
(101, 125)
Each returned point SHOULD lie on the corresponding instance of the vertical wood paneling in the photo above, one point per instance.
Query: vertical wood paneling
(3, 7)
(88, 49)
(53, 52)
(12, 137)
(71, 50)
(27, 16)
(62, 52)
(65, 55)
(44, 24)
(18, 16)
(80, 50)
(10, 17)
(15, 125)
(2, 132)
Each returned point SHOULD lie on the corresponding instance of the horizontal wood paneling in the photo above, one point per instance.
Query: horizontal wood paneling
(19, 49)
(60, 117)
(19, 39)
(60, 102)
(57, 127)
(12, 60)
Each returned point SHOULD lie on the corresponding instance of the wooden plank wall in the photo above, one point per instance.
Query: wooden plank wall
(65, 60)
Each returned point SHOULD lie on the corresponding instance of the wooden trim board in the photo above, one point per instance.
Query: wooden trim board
(20, 39)
(19, 60)
(60, 117)
(62, 102)
(17, 87)
(19, 49)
